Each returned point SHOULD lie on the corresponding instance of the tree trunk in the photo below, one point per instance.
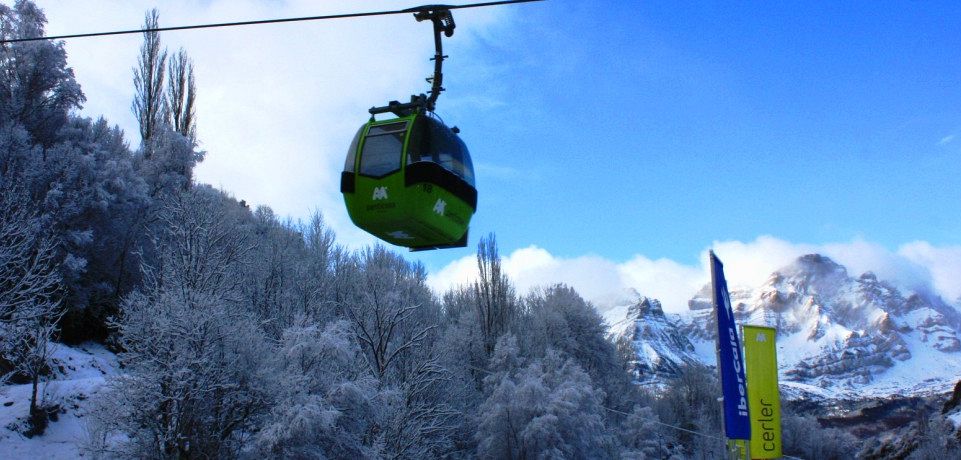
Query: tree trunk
(35, 382)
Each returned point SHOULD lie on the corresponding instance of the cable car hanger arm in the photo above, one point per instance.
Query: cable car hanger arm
(443, 22)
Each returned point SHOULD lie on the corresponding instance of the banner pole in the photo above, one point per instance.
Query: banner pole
(731, 373)
(745, 445)
(717, 353)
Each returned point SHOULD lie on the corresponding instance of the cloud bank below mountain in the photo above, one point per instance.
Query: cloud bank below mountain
(916, 266)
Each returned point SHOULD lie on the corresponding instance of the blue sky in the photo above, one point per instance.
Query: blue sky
(620, 138)
(657, 127)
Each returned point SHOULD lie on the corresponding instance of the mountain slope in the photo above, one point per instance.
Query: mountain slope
(840, 335)
(654, 343)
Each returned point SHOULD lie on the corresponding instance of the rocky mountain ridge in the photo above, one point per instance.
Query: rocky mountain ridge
(654, 344)
(838, 334)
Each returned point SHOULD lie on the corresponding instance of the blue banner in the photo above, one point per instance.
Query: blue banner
(737, 422)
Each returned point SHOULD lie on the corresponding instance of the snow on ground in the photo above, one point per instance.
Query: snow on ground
(955, 419)
(928, 371)
(798, 347)
(80, 373)
(797, 390)
(616, 319)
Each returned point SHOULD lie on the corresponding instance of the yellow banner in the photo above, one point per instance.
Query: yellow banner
(764, 402)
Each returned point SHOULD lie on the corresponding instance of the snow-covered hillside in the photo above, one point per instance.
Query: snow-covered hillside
(80, 373)
(654, 342)
(839, 336)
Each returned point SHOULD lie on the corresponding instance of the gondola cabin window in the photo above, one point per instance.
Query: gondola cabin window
(352, 151)
(383, 148)
(444, 148)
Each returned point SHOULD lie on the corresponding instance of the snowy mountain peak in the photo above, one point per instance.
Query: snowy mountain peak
(815, 269)
(653, 343)
(811, 274)
(645, 307)
(841, 332)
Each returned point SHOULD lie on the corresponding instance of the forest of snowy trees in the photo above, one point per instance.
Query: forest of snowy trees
(241, 333)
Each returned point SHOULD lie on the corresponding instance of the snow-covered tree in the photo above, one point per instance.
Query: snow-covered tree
(37, 88)
(395, 320)
(558, 318)
(182, 95)
(387, 309)
(29, 295)
(547, 409)
(494, 298)
(77, 173)
(320, 288)
(193, 352)
(422, 419)
(169, 167)
(322, 404)
(94, 201)
(165, 113)
(641, 436)
(270, 287)
(690, 402)
(936, 437)
(148, 78)
(462, 335)
(804, 436)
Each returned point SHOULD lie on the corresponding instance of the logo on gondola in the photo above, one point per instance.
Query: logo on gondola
(439, 207)
(380, 193)
(400, 235)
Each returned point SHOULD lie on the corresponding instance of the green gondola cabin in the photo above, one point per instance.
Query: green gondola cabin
(409, 181)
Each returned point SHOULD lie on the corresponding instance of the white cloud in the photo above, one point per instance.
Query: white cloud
(533, 267)
(860, 256)
(942, 263)
(750, 263)
(457, 273)
(666, 280)
(754, 261)
(597, 279)
(946, 140)
(917, 265)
